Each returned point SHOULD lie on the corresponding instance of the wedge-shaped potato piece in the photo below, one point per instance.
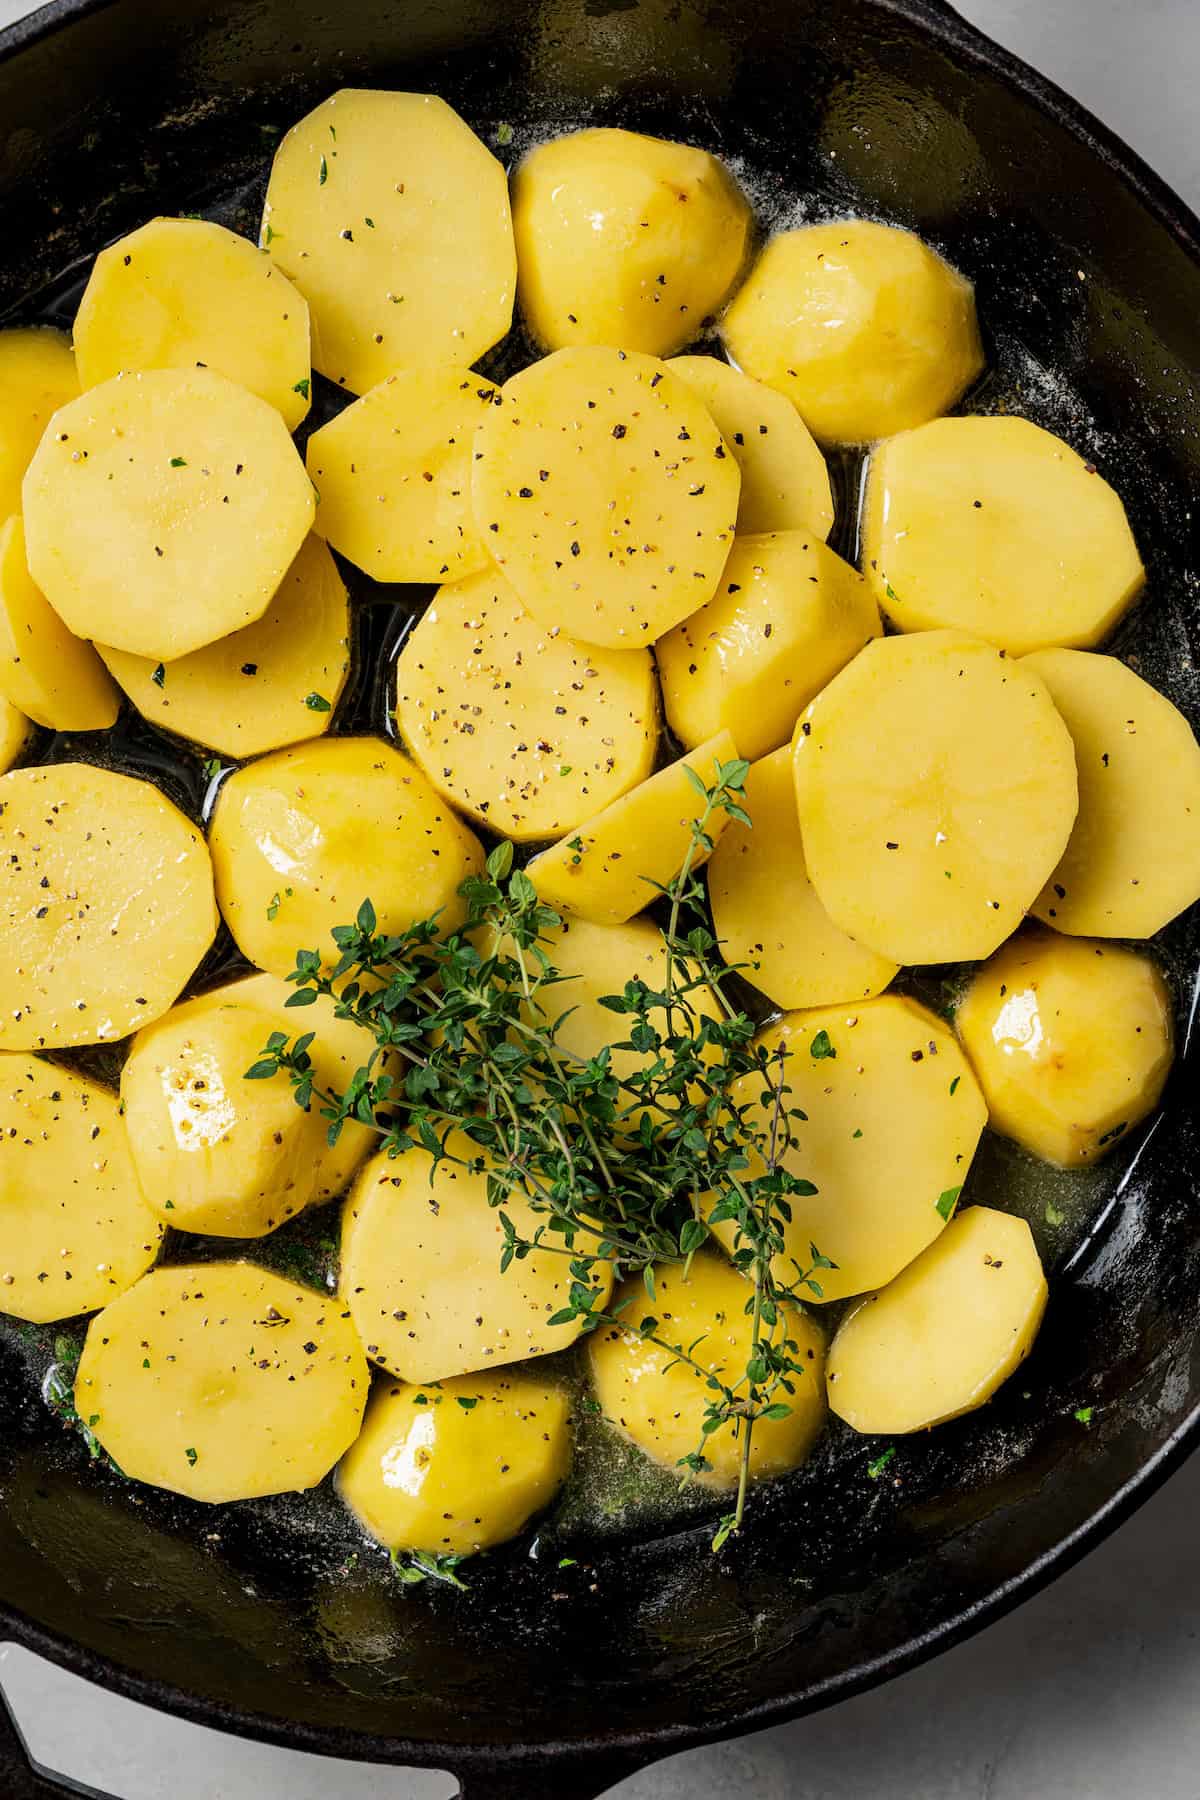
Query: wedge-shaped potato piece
(184, 293)
(766, 911)
(625, 240)
(75, 1229)
(392, 219)
(606, 494)
(457, 1467)
(37, 376)
(273, 683)
(1133, 861)
(57, 679)
(786, 617)
(1071, 1040)
(421, 1270)
(106, 905)
(301, 838)
(864, 328)
(522, 727)
(994, 526)
(15, 733)
(785, 484)
(617, 863)
(658, 1402)
(394, 475)
(223, 1382)
(163, 509)
(946, 1333)
(936, 789)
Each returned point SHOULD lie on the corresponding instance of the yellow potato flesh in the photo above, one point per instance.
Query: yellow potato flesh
(15, 733)
(624, 240)
(1133, 860)
(946, 1333)
(37, 376)
(57, 679)
(766, 911)
(184, 293)
(394, 475)
(786, 617)
(301, 838)
(106, 905)
(392, 219)
(223, 1382)
(606, 494)
(936, 789)
(994, 526)
(455, 1468)
(75, 1228)
(659, 1402)
(522, 727)
(260, 688)
(1071, 1041)
(163, 509)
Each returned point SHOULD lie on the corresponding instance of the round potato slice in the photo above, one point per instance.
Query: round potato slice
(221, 1381)
(185, 294)
(606, 494)
(358, 212)
(163, 509)
(301, 838)
(658, 1402)
(15, 733)
(522, 727)
(1133, 860)
(75, 1228)
(57, 679)
(788, 614)
(106, 905)
(936, 788)
(273, 683)
(946, 1333)
(624, 240)
(457, 1467)
(37, 376)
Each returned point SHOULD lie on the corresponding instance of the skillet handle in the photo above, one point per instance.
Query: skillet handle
(21, 1779)
(586, 1777)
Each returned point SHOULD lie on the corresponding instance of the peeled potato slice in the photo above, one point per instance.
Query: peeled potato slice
(946, 1333)
(788, 614)
(301, 838)
(15, 733)
(994, 526)
(106, 905)
(221, 1381)
(936, 790)
(457, 1467)
(785, 484)
(392, 219)
(57, 679)
(522, 727)
(606, 494)
(75, 1229)
(37, 376)
(1133, 860)
(163, 509)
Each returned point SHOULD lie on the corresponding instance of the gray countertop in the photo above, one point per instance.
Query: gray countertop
(1089, 1691)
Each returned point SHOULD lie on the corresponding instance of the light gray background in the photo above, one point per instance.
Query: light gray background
(1088, 1692)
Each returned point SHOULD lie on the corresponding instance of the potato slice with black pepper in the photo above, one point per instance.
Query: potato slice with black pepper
(15, 734)
(37, 376)
(57, 679)
(785, 483)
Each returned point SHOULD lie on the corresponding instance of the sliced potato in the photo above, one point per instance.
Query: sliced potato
(658, 1402)
(163, 509)
(864, 328)
(457, 1467)
(106, 905)
(624, 240)
(57, 679)
(936, 790)
(75, 1227)
(1133, 861)
(788, 614)
(223, 1382)
(946, 1333)
(15, 733)
(273, 683)
(186, 294)
(766, 911)
(522, 727)
(37, 376)
(392, 219)
(606, 494)
(301, 838)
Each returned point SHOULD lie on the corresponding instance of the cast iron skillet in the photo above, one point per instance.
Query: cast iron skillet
(558, 1682)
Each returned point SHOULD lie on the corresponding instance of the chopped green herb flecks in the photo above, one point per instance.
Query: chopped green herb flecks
(504, 134)
(316, 703)
(301, 388)
(954, 1084)
(875, 1469)
(1084, 1414)
(947, 1201)
(1052, 1215)
(179, 462)
(324, 172)
(821, 1047)
(191, 1455)
(413, 1566)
